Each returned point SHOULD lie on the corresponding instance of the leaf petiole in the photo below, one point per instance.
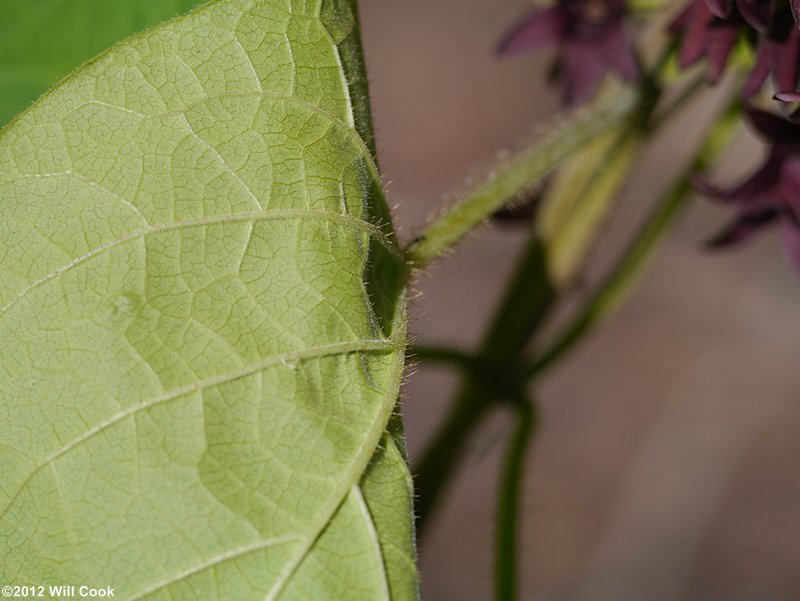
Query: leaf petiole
(534, 163)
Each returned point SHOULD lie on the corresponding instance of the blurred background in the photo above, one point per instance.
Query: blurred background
(667, 464)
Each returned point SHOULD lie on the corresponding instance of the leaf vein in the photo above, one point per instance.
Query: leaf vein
(346, 125)
(98, 186)
(376, 543)
(316, 352)
(371, 440)
(222, 161)
(353, 223)
(213, 562)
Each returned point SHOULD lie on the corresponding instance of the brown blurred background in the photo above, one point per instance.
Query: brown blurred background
(667, 466)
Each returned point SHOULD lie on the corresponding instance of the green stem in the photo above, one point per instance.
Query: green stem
(526, 302)
(533, 164)
(508, 511)
(634, 261)
(435, 469)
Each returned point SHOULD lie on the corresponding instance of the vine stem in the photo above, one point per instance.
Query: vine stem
(533, 164)
(633, 262)
(509, 501)
(526, 303)
(527, 300)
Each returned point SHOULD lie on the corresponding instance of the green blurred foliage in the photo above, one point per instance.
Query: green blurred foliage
(41, 41)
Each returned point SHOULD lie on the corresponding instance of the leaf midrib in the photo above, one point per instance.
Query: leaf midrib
(316, 352)
(265, 544)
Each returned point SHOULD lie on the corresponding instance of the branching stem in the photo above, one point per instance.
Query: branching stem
(527, 300)
(497, 371)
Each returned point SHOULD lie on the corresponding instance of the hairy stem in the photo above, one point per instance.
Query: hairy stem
(435, 469)
(533, 164)
(527, 300)
(508, 509)
(613, 291)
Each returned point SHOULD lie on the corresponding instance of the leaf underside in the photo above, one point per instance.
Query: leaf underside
(202, 320)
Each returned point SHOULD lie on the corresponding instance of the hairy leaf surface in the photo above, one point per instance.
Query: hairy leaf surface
(43, 40)
(202, 320)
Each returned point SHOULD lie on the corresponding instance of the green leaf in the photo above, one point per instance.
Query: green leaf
(43, 40)
(202, 320)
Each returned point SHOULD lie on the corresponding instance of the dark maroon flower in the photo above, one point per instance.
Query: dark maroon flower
(779, 55)
(711, 28)
(591, 37)
(772, 194)
(756, 13)
(707, 35)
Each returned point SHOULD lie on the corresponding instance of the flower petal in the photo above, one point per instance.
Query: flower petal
(539, 29)
(790, 234)
(683, 19)
(693, 45)
(755, 191)
(796, 10)
(583, 71)
(722, 38)
(771, 126)
(617, 51)
(758, 74)
(784, 55)
(787, 96)
(741, 229)
(720, 8)
(790, 184)
(756, 12)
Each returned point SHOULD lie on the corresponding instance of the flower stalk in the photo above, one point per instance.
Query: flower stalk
(633, 262)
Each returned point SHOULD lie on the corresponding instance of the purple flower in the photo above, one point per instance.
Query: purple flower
(756, 13)
(772, 194)
(591, 38)
(779, 55)
(707, 35)
(711, 29)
